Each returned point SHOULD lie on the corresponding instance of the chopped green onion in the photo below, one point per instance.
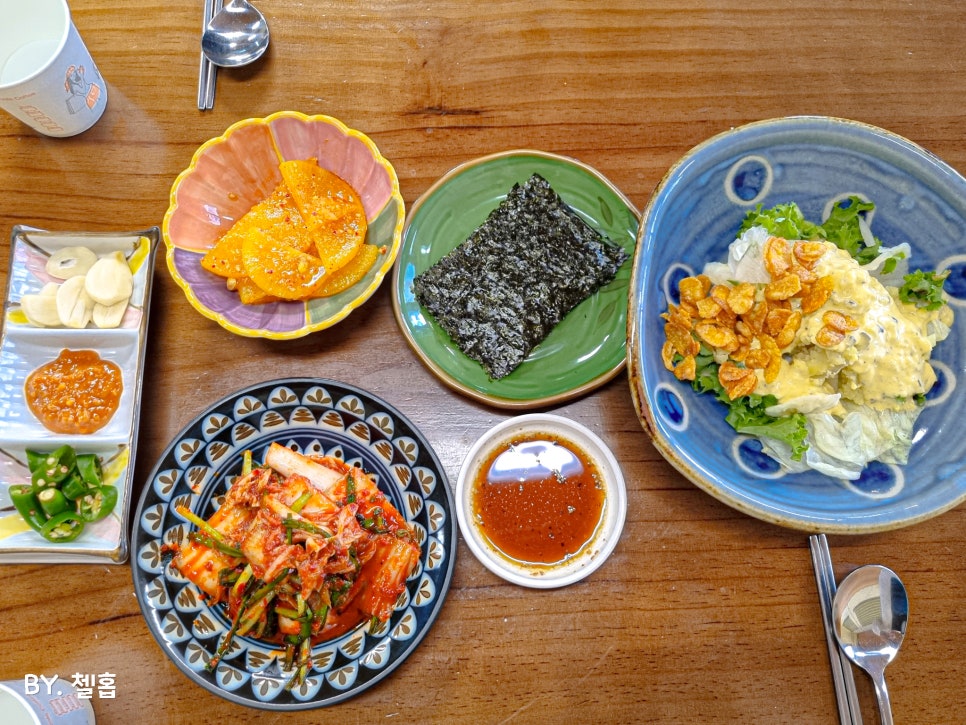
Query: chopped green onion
(350, 489)
(202, 524)
(300, 502)
(205, 540)
(302, 525)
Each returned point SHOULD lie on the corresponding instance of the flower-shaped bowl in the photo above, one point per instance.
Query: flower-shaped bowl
(229, 174)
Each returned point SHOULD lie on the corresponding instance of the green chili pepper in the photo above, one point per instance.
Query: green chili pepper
(52, 501)
(54, 468)
(74, 487)
(65, 526)
(28, 506)
(35, 459)
(89, 468)
(97, 503)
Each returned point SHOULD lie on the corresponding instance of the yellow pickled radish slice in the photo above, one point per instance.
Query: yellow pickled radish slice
(279, 268)
(277, 214)
(338, 241)
(320, 195)
(250, 293)
(350, 273)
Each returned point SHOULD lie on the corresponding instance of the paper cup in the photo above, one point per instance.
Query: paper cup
(57, 704)
(48, 79)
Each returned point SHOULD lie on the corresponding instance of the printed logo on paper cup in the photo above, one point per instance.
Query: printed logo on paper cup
(80, 93)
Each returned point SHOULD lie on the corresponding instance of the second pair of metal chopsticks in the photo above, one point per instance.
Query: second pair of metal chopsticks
(208, 71)
(842, 676)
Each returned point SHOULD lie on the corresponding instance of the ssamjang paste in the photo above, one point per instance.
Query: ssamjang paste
(502, 290)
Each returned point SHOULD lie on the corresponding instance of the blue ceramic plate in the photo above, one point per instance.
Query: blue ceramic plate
(318, 417)
(692, 217)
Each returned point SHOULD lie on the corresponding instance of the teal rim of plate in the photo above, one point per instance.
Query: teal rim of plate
(587, 348)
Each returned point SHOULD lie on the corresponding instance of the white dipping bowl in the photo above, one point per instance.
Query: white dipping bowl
(593, 554)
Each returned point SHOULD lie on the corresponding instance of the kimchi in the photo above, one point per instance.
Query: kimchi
(302, 550)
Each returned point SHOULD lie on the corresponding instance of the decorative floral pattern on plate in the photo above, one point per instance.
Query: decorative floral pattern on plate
(313, 416)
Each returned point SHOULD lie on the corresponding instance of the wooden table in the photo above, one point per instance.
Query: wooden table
(702, 614)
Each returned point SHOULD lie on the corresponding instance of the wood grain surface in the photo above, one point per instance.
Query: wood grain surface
(702, 614)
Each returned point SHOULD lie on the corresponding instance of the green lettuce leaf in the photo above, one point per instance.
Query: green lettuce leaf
(782, 220)
(841, 228)
(747, 414)
(924, 289)
(789, 428)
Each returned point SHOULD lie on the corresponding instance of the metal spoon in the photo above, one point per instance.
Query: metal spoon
(236, 35)
(870, 612)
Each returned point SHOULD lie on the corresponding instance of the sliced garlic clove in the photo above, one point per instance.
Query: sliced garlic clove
(110, 280)
(70, 262)
(74, 305)
(109, 316)
(41, 309)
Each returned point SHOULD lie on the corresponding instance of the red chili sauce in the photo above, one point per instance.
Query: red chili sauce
(538, 499)
(76, 393)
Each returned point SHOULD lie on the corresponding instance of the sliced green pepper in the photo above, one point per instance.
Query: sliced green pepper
(65, 526)
(97, 503)
(89, 467)
(35, 459)
(54, 468)
(27, 505)
(74, 487)
(52, 501)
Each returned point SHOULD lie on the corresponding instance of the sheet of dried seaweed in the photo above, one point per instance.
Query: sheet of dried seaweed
(502, 290)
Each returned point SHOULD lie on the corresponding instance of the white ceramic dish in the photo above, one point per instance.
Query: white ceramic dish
(593, 554)
(23, 348)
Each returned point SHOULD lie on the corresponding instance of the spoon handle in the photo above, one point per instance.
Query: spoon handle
(882, 695)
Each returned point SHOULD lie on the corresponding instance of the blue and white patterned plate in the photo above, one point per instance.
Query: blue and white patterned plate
(320, 417)
(692, 217)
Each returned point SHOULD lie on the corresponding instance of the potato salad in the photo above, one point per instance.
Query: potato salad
(816, 337)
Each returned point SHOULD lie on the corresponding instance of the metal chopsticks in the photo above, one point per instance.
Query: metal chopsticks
(842, 676)
(207, 71)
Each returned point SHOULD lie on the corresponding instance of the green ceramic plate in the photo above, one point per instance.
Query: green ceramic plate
(587, 348)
